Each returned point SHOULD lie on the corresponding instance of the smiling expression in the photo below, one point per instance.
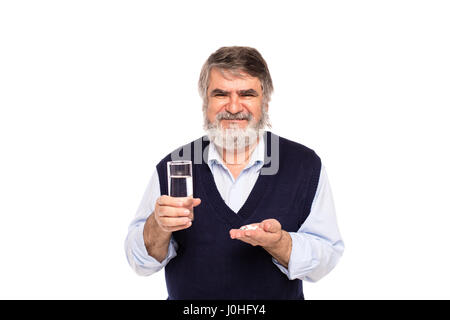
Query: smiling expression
(233, 94)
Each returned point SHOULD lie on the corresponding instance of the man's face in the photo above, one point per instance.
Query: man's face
(238, 95)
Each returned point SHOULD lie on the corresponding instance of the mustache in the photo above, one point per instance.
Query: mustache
(234, 116)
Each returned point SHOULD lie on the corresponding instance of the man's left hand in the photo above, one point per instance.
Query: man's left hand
(268, 234)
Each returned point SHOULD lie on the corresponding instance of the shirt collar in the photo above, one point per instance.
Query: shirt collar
(256, 158)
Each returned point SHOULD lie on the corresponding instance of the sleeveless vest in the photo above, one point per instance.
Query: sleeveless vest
(211, 265)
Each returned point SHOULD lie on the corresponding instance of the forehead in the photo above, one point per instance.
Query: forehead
(227, 80)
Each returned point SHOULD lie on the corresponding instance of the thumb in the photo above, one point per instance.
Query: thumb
(196, 202)
(271, 225)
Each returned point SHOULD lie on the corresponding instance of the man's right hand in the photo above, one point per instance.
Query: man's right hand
(171, 214)
(175, 213)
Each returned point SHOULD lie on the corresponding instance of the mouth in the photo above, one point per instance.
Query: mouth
(234, 121)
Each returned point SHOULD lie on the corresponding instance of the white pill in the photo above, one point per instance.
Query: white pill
(249, 227)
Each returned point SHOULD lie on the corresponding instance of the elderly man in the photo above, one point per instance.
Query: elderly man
(262, 223)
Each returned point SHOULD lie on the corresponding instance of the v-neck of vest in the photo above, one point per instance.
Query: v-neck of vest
(224, 212)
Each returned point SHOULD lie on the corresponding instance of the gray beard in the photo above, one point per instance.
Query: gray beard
(235, 138)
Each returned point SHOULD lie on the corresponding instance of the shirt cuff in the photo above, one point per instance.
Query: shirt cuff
(294, 258)
(143, 263)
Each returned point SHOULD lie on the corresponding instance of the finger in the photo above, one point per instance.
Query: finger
(173, 229)
(186, 201)
(236, 233)
(271, 225)
(196, 202)
(166, 211)
(233, 233)
(239, 234)
(266, 226)
(256, 235)
(174, 222)
(190, 202)
(166, 200)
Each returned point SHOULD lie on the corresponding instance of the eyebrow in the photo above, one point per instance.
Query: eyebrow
(219, 91)
(248, 92)
(251, 92)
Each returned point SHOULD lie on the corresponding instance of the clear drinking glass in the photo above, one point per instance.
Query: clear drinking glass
(179, 175)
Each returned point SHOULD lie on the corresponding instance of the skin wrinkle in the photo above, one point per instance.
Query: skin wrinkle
(241, 93)
(227, 103)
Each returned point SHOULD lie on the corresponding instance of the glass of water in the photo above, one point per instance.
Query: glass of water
(179, 175)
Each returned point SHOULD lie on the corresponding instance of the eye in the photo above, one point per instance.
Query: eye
(219, 93)
(248, 93)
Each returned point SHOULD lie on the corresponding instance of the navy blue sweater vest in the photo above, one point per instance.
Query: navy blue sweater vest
(211, 265)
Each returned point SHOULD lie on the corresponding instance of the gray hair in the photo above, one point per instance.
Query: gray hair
(236, 60)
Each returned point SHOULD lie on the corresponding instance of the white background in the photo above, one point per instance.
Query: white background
(94, 93)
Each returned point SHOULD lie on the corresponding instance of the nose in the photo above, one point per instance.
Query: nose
(234, 104)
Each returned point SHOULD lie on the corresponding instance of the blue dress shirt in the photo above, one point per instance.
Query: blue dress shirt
(316, 246)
